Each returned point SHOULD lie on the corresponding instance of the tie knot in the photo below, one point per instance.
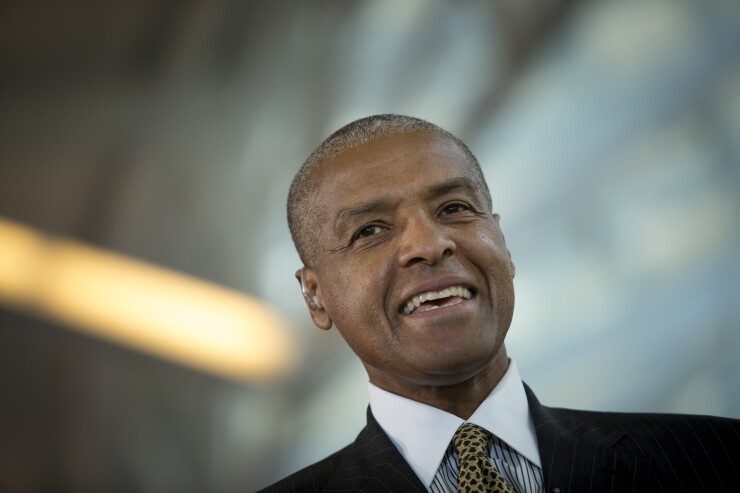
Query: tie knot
(471, 440)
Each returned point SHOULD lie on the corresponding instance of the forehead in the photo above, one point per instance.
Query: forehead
(396, 164)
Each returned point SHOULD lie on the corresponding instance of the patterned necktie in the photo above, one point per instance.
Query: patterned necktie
(476, 472)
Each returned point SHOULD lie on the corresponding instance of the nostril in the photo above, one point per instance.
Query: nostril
(415, 260)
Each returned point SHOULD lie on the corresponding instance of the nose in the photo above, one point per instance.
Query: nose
(423, 240)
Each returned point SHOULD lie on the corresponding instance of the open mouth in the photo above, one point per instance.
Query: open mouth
(431, 300)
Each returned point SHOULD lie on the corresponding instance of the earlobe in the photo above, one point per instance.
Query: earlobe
(312, 296)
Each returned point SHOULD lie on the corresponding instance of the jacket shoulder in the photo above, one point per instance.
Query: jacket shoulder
(682, 450)
(651, 431)
(370, 463)
(686, 450)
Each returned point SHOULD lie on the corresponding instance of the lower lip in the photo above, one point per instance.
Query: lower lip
(442, 310)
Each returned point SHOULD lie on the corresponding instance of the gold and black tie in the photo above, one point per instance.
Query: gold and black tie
(476, 472)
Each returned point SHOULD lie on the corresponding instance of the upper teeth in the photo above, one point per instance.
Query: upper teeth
(417, 300)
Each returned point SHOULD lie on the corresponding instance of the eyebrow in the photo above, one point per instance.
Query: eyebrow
(384, 203)
(361, 209)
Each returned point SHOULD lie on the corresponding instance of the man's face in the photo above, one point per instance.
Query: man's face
(404, 220)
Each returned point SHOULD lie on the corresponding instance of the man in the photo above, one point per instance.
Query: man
(392, 219)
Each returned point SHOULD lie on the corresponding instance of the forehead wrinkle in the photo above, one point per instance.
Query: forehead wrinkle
(462, 182)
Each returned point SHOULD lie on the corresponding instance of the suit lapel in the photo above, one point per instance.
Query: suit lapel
(373, 464)
(580, 453)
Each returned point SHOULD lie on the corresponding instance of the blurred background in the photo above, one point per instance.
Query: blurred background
(152, 335)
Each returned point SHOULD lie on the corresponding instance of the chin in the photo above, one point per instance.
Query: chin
(453, 370)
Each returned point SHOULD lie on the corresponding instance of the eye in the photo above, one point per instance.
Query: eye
(369, 230)
(454, 208)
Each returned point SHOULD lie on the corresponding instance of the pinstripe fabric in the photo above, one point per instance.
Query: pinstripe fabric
(581, 451)
(610, 452)
(516, 469)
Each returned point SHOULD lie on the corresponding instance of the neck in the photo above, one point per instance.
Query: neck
(460, 398)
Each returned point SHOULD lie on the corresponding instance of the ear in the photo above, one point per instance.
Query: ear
(497, 218)
(312, 296)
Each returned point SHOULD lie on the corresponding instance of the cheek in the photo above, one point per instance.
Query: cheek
(362, 286)
(354, 298)
(493, 249)
(360, 317)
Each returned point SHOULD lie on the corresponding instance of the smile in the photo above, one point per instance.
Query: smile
(431, 300)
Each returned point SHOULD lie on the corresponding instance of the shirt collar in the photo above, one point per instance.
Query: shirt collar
(505, 413)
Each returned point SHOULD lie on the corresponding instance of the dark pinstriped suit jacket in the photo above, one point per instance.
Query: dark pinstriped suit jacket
(580, 451)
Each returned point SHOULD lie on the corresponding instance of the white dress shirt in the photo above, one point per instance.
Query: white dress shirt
(423, 433)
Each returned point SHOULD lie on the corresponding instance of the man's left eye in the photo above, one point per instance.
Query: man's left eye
(454, 208)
